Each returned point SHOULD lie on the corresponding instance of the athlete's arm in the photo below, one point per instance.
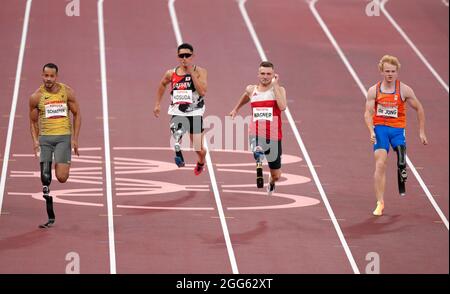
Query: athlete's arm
(370, 109)
(160, 92)
(76, 114)
(410, 97)
(199, 78)
(280, 93)
(245, 98)
(34, 121)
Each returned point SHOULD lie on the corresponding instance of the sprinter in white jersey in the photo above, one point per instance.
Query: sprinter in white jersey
(188, 88)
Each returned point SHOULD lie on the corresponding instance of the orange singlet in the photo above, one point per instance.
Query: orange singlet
(390, 108)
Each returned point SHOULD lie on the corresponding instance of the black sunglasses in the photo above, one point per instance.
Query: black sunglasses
(185, 55)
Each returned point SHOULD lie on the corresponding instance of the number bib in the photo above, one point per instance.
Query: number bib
(262, 113)
(182, 97)
(388, 111)
(54, 110)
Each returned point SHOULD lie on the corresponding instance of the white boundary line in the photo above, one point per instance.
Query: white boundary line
(12, 114)
(223, 222)
(302, 146)
(358, 81)
(109, 200)
(413, 47)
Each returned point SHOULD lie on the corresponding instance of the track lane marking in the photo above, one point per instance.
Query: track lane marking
(109, 201)
(15, 98)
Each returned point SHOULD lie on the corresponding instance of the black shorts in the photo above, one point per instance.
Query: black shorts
(191, 124)
(272, 150)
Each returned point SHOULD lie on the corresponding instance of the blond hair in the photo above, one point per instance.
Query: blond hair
(390, 60)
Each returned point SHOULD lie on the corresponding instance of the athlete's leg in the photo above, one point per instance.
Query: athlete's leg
(196, 134)
(258, 154)
(199, 148)
(63, 158)
(380, 179)
(401, 171)
(381, 149)
(46, 178)
(197, 142)
(398, 142)
(380, 173)
(177, 130)
(274, 160)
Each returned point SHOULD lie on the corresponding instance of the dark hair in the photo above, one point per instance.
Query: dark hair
(185, 46)
(51, 65)
(266, 64)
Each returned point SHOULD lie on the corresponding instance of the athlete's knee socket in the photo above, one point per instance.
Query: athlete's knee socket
(401, 156)
(46, 173)
(177, 131)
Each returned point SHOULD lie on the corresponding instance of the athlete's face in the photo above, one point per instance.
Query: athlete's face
(185, 57)
(390, 72)
(265, 75)
(49, 76)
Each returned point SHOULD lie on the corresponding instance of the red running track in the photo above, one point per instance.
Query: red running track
(165, 219)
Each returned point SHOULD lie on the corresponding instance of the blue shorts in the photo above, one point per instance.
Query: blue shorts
(386, 136)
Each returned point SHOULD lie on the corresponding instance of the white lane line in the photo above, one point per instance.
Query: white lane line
(109, 200)
(413, 46)
(223, 222)
(12, 114)
(302, 146)
(364, 92)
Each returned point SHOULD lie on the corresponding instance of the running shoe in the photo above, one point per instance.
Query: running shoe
(199, 168)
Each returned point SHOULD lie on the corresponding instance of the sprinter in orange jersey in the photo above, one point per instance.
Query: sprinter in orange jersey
(385, 117)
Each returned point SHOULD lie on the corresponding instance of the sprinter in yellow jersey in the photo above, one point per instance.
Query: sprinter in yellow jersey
(52, 131)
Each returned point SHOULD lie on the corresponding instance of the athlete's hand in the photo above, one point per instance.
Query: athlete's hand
(372, 137)
(275, 79)
(36, 148)
(157, 110)
(75, 147)
(233, 113)
(423, 138)
(189, 68)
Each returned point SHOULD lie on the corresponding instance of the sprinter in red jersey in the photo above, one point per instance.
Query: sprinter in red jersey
(268, 100)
